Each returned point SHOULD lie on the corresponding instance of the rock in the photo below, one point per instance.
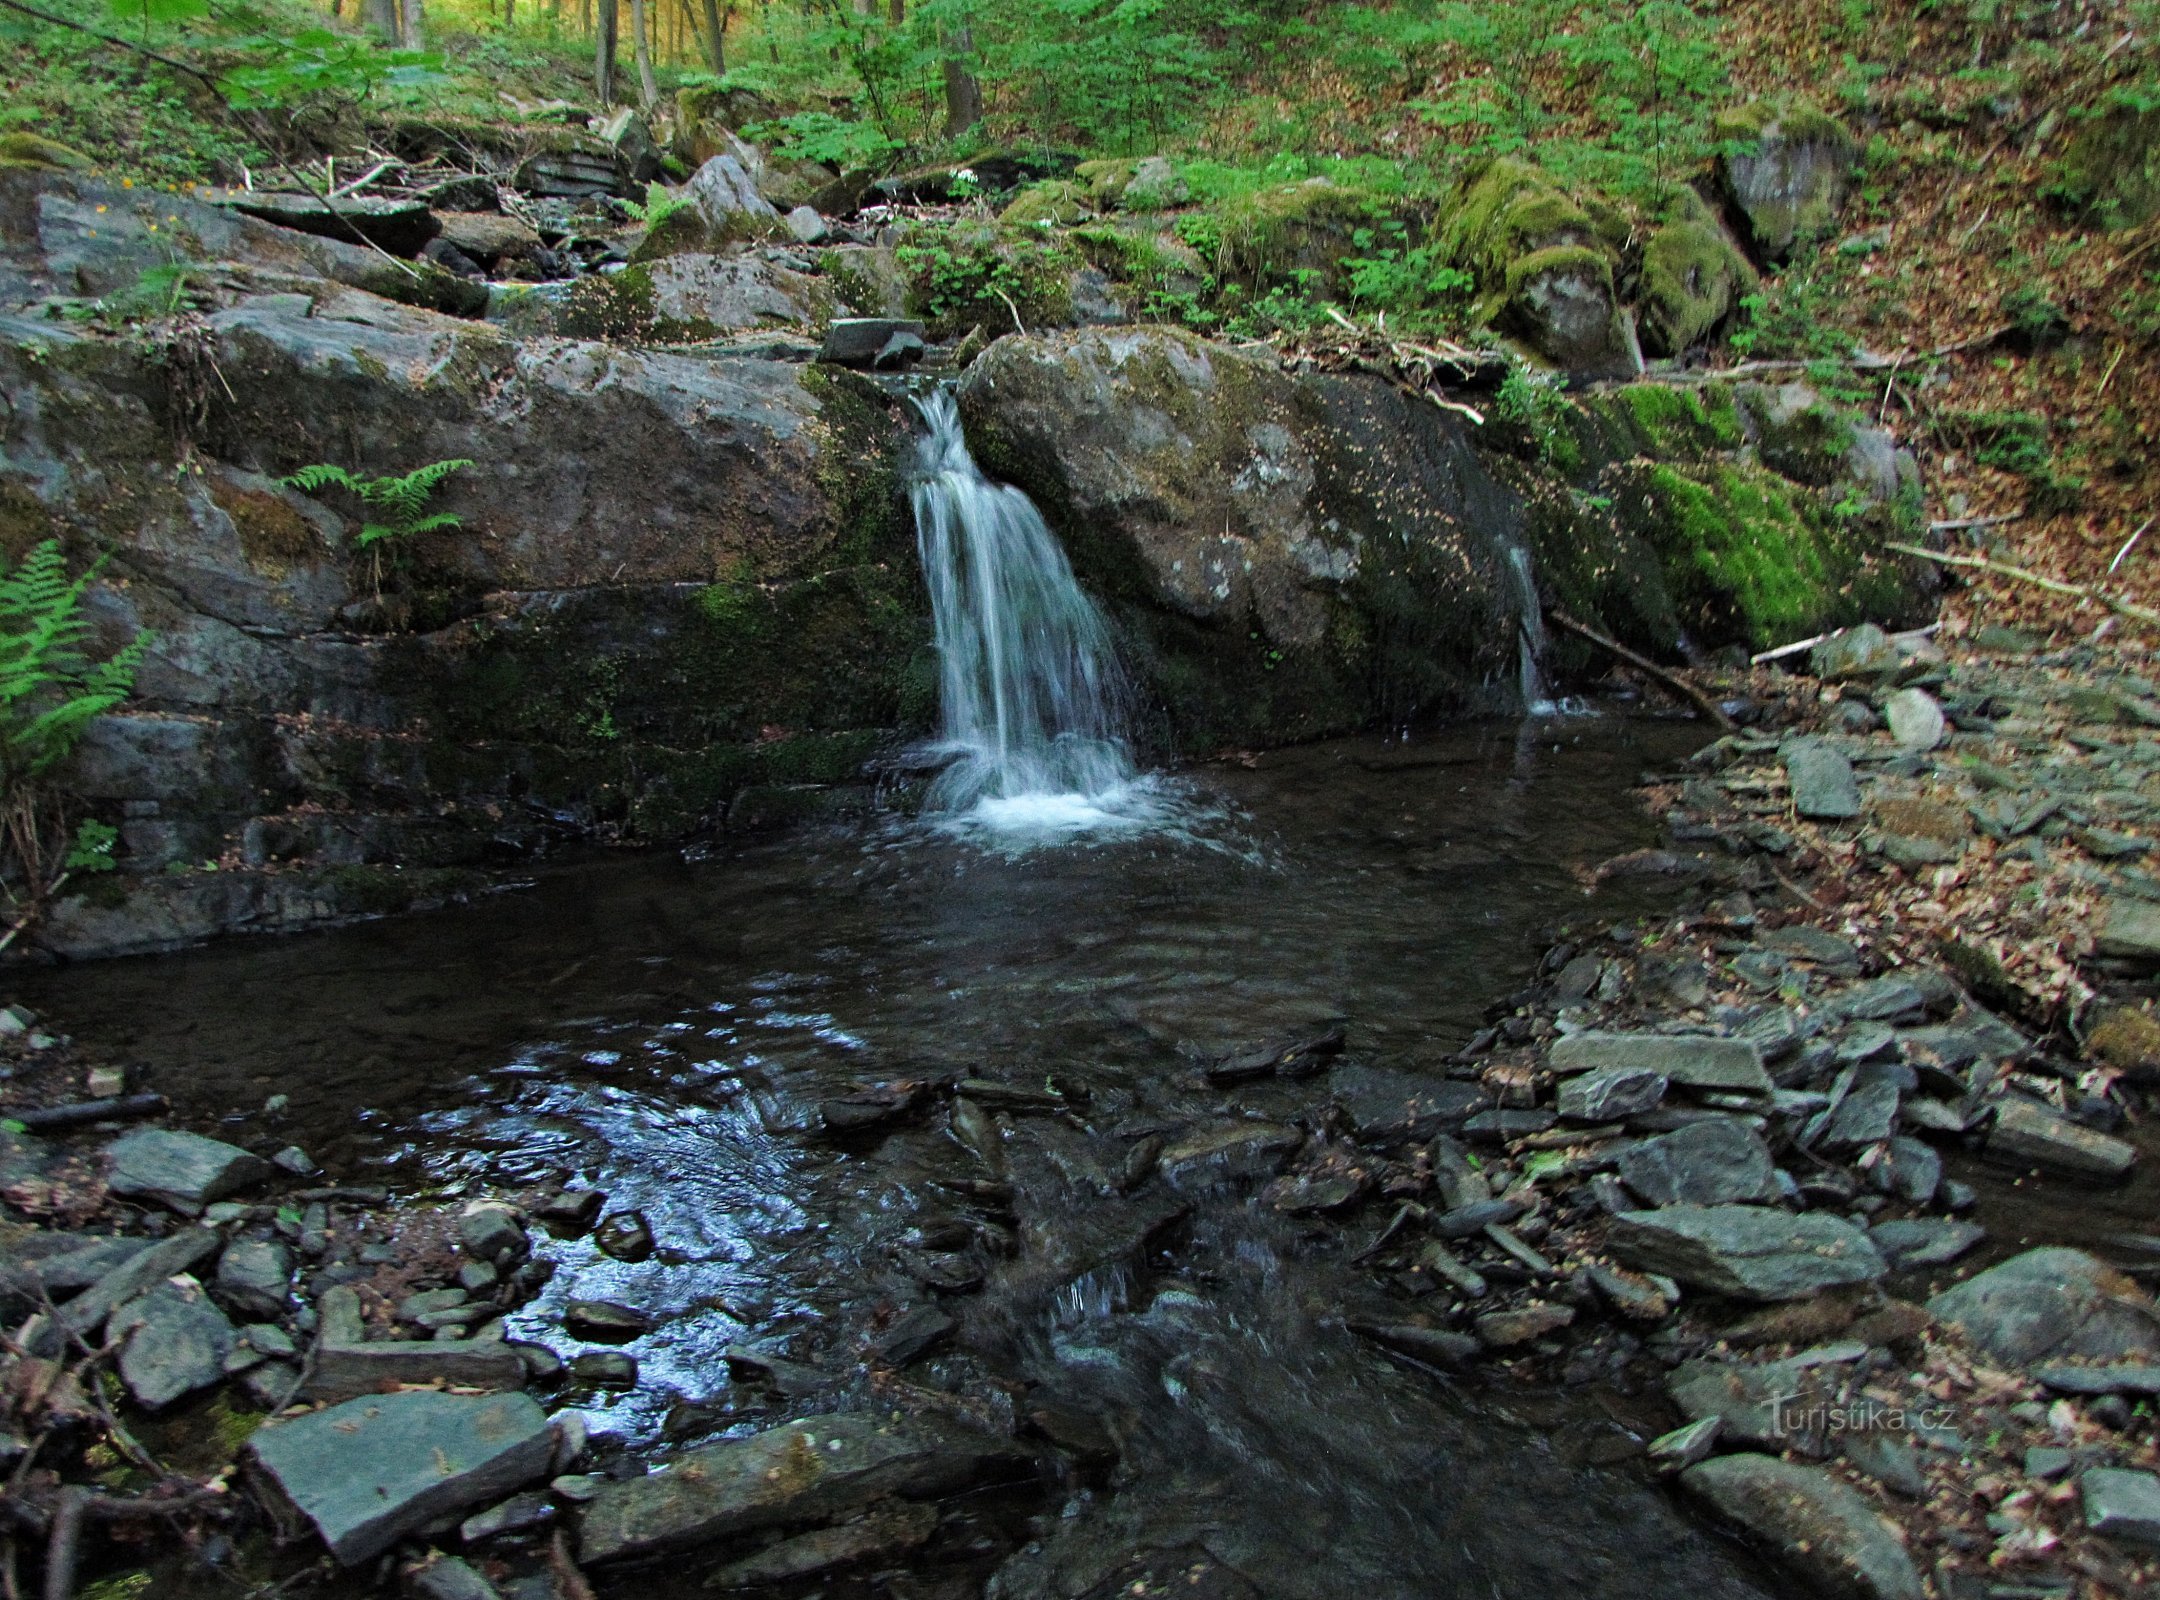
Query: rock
(1385, 1104)
(1868, 1113)
(1755, 1403)
(1916, 721)
(489, 237)
(1748, 1251)
(1503, 1330)
(1864, 652)
(726, 194)
(816, 1468)
(255, 1276)
(2052, 1303)
(2130, 931)
(1497, 1127)
(1821, 1527)
(1887, 1458)
(1544, 269)
(369, 1472)
(1434, 1346)
(447, 1578)
(1697, 1061)
(806, 225)
(626, 1236)
(605, 1369)
(1235, 1150)
(2121, 1504)
(1823, 787)
(470, 193)
(572, 1211)
(183, 1171)
(2117, 1378)
(1785, 169)
(177, 1342)
(574, 171)
(1634, 1296)
(915, 1334)
(605, 1322)
(879, 1535)
(870, 341)
(633, 143)
(521, 1513)
(1692, 278)
(1683, 1447)
(400, 227)
(1707, 1164)
(2027, 1134)
(1606, 1094)
(1924, 1241)
(492, 1233)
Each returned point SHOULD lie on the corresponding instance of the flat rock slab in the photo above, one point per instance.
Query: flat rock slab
(863, 341)
(1751, 1251)
(1698, 1061)
(1606, 1094)
(177, 1342)
(1709, 1164)
(1912, 1242)
(2122, 1505)
(369, 1472)
(2130, 931)
(2052, 1304)
(1916, 721)
(1822, 1527)
(1385, 1103)
(1823, 785)
(878, 1536)
(804, 1471)
(1235, 1150)
(182, 1170)
(2031, 1135)
(398, 226)
(2119, 1378)
(347, 1371)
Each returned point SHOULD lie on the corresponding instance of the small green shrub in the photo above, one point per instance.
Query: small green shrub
(401, 501)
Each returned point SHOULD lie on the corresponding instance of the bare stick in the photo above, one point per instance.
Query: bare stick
(362, 181)
(65, 1543)
(1960, 524)
(2076, 591)
(2128, 546)
(1670, 679)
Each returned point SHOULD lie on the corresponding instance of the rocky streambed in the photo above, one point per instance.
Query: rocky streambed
(1321, 1192)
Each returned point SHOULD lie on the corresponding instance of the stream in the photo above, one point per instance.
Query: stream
(667, 1028)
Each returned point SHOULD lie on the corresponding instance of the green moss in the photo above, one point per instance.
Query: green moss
(969, 274)
(1291, 233)
(623, 306)
(274, 537)
(1505, 210)
(31, 150)
(1683, 422)
(25, 521)
(1106, 180)
(430, 288)
(2110, 174)
(1692, 278)
(1797, 121)
(1041, 205)
(1560, 260)
(1808, 443)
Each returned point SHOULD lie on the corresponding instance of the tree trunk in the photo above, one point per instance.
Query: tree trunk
(604, 53)
(963, 93)
(898, 12)
(641, 46)
(413, 35)
(716, 36)
(381, 19)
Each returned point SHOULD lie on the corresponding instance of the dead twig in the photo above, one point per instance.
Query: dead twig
(64, 1543)
(1664, 675)
(2077, 591)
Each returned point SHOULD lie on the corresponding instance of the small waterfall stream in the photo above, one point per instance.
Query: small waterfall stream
(1530, 640)
(1031, 694)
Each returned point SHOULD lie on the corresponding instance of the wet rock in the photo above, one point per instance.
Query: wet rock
(478, 1278)
(626, 1236)
(811, 1469)
(1823, 786)
(178, 1341)
(915, 1334)
(571, 1212)
(605, 1321)
(493, 1234)
(183, 1171)
(873, 1106)
(1862, 652)
(447, 1578)
(1749, 1251)
(1916, 721)
(1607, 1094)
(877, 1536)
(871, 342)
(1434, 1346)
(2052, 1303)
(792, 1379)
(1710, 1163)
(1232, 1150)
(1504, 1330)
(521, 1513)
(1385, 1105)
(1924, 1241)
(605, 1369)
(255, 1276)
(1698, 1061)
(2121, 1504)
(2030, 1135)
(1296, 1058)
(1683, 1447)
(369, 1472)
(1821, 1527)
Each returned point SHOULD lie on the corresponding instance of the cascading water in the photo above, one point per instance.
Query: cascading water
(1530, 642)
(1031, 695)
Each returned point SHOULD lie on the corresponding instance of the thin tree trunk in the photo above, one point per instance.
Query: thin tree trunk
(716, 22)
(898, 12)
(963, 93)
(414, 33)
(604, 53)
(381, 19)
(641, 45)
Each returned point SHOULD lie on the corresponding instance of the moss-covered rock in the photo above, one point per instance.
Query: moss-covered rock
(1543, 266)
(1150, 184)
(1784, 165)
(963, 275)
(2110, 174)
(428, 287)
(34, 150)
(1056, 203)
(1693, 276)
(1292, 233)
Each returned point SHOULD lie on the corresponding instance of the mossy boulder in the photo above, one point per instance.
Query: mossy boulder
(1693, 276)
(1055, 203)
(1292, 233)
(686, 298)
(962, 275)
(34, 150)
(1152, 184)
(1543, 266)
(2110, 174)
(1785, 167)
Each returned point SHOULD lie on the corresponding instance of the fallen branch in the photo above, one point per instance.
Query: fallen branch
(1960, 524)
(362, 181)
(2077, 591)
(1664, 675)
(64, 1543)
(46, 1118)
(1798, 645)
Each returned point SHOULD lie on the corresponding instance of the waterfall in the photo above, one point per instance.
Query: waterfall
(1530, 643)
(1031, 692)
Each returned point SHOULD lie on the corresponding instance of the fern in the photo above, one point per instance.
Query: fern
(402, 502)
(660, 203)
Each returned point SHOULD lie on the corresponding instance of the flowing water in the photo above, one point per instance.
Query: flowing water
(667, 1028)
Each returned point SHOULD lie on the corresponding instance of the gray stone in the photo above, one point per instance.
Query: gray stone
(448, 1578)
(1749, 1400)
(1684, 1446)
(726, 194)
(2031, 1135)
(1750, 1251)
(1862, 652)
(859, 341)
(878, 1536)
(807, 226)
(2130, 931)
(521, 1513)
(493, 1234)
(1822, 1528)
(1385, 1103)
(1881, 999)
(1924, 1241)
(2114, 1378)
(916, 1334)
(1230, 1150)
(177, 1342)
(1868, 1113)
(369, 1472)
(633, 141)
(1785, 169)
(184, 1171)
(1823, 786)
(255, 1276)
(606, 1321)
(2052, 1303)
(1888, 1458)
(1606, 1094)
(805, 1471)
(1910, 1170)
(2123, 1505)
(1697, 1061)
(400, 227)
(1707, 1163)
(1916, 721)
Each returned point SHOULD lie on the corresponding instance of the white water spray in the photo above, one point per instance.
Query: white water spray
(1031, 693)
(1530, 641)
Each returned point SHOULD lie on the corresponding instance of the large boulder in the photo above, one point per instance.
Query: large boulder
(1785, 168)
(2110, 174)
(1693, 277)
(1753, 1252)
(1823, 1528)
(2052, 1304)
(1289, 556)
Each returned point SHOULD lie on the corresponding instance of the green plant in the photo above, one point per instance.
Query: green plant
(51, 690)
(659, 204)
(1537, 407)
(402, 501)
